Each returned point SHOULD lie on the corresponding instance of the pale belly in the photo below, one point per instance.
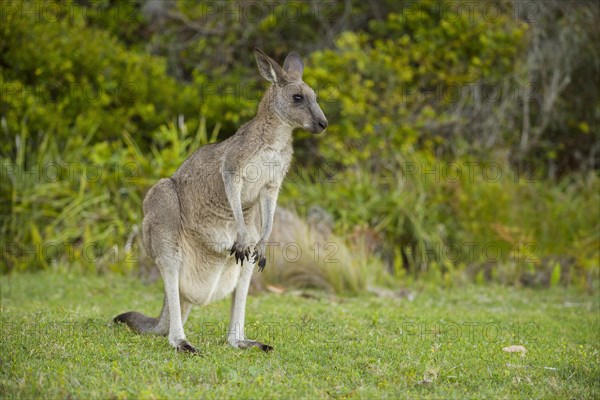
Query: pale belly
(203, 280)
(208, 272)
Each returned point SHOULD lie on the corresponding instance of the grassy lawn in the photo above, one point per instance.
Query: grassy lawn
(57, 342)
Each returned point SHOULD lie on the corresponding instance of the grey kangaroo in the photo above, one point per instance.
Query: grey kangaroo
(217, 209)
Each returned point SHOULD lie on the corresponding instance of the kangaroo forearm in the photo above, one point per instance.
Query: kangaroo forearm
(268, 223)
(239, 218)
(233, 191)
(268, 205)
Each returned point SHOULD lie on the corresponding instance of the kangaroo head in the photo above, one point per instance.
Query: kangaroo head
(291, 99)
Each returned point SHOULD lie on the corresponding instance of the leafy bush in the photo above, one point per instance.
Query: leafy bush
(395, 83)
(62, 78)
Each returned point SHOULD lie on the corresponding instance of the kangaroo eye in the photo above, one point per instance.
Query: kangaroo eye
(298, 98)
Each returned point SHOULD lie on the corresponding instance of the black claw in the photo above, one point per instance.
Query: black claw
(241, 253)
(261, 264)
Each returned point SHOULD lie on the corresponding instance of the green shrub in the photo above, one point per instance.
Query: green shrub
(63, 78)
(393, 83)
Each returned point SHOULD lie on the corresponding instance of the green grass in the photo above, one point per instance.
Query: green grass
(57, 342)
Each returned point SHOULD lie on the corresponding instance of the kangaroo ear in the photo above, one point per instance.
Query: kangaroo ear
(268, 68)
(294, 66)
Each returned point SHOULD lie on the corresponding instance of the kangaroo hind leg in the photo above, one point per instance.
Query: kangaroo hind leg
(236, 336)
(161, 230)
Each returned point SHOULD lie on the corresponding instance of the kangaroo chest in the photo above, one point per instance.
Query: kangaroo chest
(267, 168)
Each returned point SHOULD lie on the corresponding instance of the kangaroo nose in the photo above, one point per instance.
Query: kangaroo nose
(323, 124)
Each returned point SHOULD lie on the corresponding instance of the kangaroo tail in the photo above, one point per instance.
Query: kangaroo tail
(143, 324)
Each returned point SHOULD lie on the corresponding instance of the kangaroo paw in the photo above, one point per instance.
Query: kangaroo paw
(259, 255)
(241, 251)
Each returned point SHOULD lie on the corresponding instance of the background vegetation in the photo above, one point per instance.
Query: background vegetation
(463, 143)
